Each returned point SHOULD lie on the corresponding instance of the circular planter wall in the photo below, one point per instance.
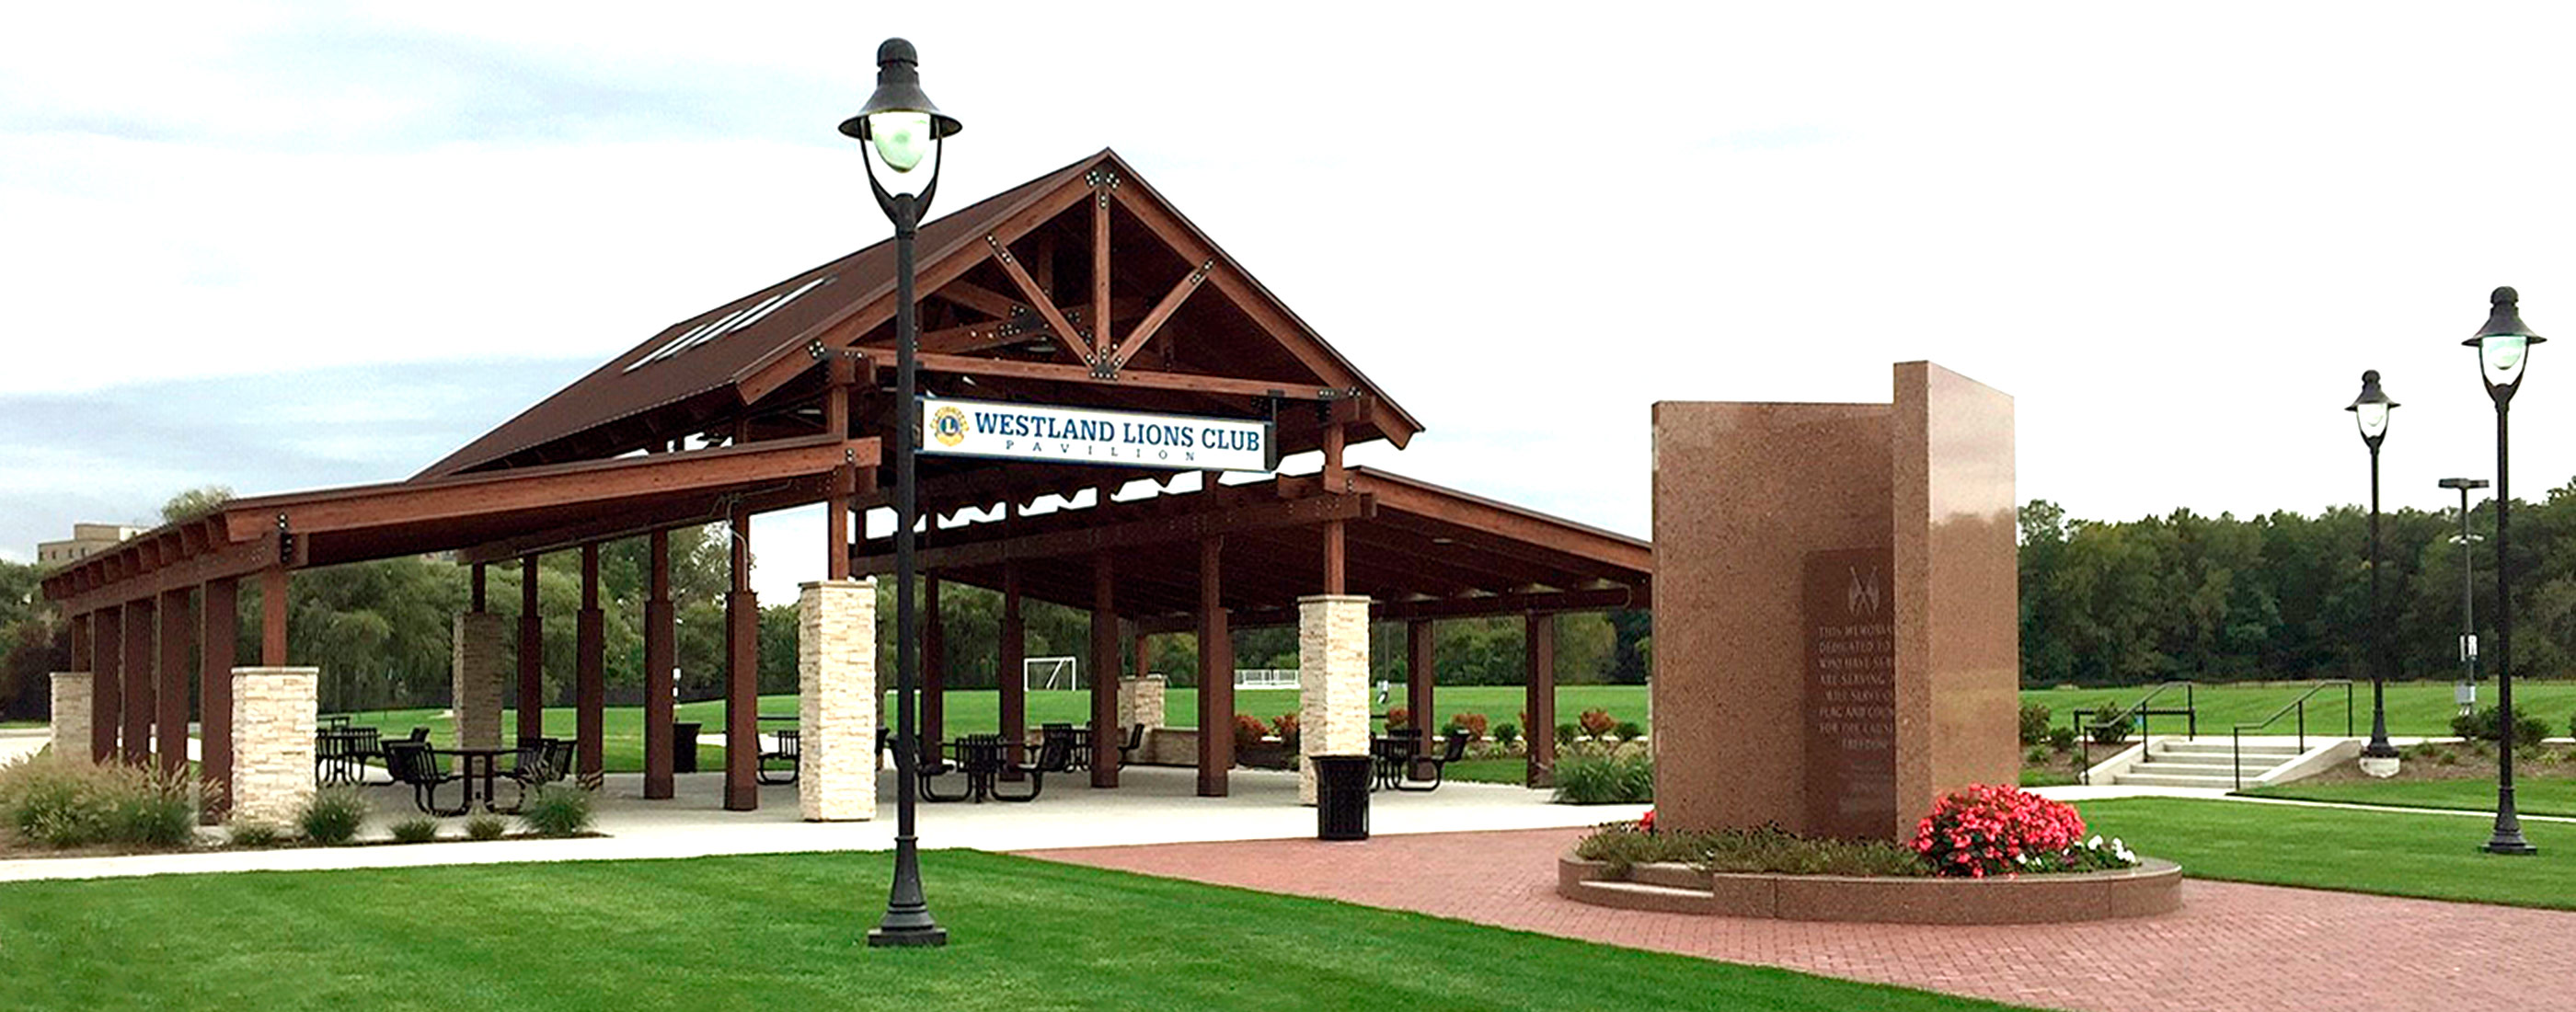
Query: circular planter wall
(2154, 887)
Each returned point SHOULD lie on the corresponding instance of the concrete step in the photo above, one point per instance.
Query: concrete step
(1640, 896)
(2221, 782)
(2218, 769)
(2221, 748)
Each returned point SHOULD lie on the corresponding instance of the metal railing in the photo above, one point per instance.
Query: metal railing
(2236, 737)
(2138, 714)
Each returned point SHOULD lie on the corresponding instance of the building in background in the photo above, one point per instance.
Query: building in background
(86, 538)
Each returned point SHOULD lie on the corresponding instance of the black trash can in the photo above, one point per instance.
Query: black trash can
(1341, 796)
(684, 748)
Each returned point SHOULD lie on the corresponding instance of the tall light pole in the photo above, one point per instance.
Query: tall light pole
(2370, 413)
(904, 129)
(2468, 693)
(2504, 347)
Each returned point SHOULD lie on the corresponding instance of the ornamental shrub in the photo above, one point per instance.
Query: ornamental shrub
(254, 834)
(2483, 725)
(1285, 726)
(2105, 726)
(556, 810)
(1566, 733)
(1597, 722)
(333, 816)
(1398, 719)
(1605, 780)
(1991, 829)
(2061, 739)
(2034, 724)
(1507, 734)
(1629, 730)
(1472, 723)
(1248, 732)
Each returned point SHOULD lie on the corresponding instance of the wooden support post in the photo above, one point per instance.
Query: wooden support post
(1011, 672)
(841, 387)
(478, 600)
(532, 654)
(218, 628)
(590, 691)
(80, 642)
(170, 719)
(140, 701)
(272, 617)
(1336, 568)
(1101, 338)
(1216, 675)
(1104, 672)
(1419, 679)
(934, 666)
(107, 688)
(742, 676)
(1143, 659)
(1538, 638)
(659, 643)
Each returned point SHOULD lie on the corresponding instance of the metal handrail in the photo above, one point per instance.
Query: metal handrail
(2236, 737)
(2138, 712)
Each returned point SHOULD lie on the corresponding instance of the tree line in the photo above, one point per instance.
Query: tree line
(2286, 595)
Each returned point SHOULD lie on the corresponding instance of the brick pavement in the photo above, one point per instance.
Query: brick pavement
(2232, 946)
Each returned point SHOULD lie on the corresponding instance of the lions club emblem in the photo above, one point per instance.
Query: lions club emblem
(948, 426)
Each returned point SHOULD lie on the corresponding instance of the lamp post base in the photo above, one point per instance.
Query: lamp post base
(930, 937)
(2380, 766)
(2515, 847)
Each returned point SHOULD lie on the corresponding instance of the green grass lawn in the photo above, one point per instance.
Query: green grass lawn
(2392, 853)
(783, 932)
(2414, 708)
(2532, 795)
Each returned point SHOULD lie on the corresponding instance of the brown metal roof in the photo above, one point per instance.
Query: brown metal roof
(706, 356)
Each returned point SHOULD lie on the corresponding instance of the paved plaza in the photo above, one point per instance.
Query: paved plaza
(2231, 947)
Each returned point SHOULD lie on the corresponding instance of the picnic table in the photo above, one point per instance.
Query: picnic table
(340, 753)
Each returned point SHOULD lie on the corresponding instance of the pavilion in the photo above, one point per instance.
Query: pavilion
(1080, 288)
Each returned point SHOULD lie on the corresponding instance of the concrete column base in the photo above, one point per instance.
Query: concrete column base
(1140, 701)
(273, 723)
(837, 700)
(478, 679)
(71, 713)
(1332, 681)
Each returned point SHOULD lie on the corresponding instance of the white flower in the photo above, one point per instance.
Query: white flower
(2095, 843)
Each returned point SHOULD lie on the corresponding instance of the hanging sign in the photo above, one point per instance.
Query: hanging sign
(1090, 436)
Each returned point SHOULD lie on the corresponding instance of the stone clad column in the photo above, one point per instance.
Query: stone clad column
(71, 713)
(1332, 681)
(273, 721)
(478, 678)
(836, 705)
(1140, 702)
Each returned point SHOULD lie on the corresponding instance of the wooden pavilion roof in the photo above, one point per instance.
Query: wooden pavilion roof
(1416, 549)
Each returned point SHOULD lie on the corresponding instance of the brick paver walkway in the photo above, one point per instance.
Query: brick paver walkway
(2232, 946)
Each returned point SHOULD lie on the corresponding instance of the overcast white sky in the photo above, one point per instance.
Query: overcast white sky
(2176, 233)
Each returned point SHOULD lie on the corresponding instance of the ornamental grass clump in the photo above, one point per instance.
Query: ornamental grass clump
(485, 827)
(1762, 850)
(58, 802)
(333, 816)
(418, 829)
(1991, 829)
(557, 810)
(1619, 778)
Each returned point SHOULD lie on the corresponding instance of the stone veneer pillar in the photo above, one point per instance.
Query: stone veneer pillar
(837, 700)
(478, 680)
(1140, 701)
(1332, 681)
(71, 713)
(273, 722)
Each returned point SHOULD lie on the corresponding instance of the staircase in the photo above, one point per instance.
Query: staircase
(2187, 762)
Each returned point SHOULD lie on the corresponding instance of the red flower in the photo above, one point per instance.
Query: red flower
(1646, 822)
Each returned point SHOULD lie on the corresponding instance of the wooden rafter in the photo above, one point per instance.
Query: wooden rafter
(1154, 320)
(1153, 379)
(1062, 329)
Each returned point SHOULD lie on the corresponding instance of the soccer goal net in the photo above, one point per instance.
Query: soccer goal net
(1265, 678)
(1049, 673)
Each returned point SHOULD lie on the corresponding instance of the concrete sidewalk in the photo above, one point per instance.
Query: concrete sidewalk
(1154, 805)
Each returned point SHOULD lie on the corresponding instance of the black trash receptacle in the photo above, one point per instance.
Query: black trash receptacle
(684, 748)
(1341, 796)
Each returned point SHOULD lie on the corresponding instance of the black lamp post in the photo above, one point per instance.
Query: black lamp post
(2370, 413)
(2504, 346)
(904, 129)
(2468, 693)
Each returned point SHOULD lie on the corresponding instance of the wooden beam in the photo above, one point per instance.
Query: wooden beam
(1062, 328)
(1152, 379)
(980, 299)
(691, 512)
(1101, 182)
(1154, 320)
(1186, 527)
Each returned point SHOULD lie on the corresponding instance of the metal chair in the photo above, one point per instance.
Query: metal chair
(1077, 754)
(559, 758)
(1452, 749)
(1135, 740)
(790, 750)
(412, 762)
(1055, 755)
(927, 767)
